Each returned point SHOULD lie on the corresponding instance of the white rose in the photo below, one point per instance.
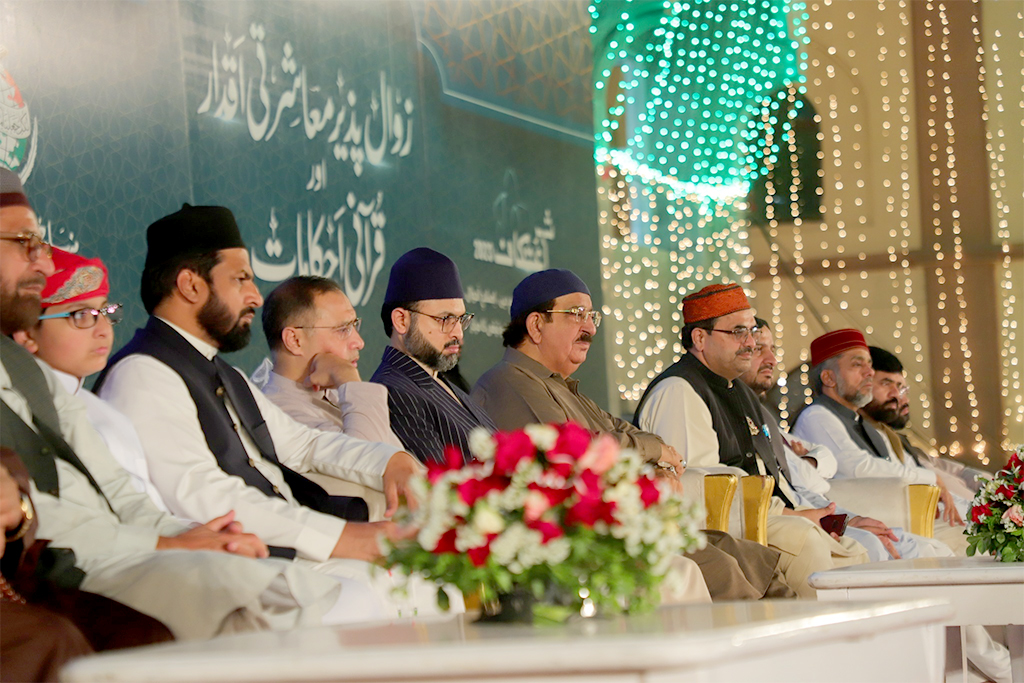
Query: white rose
(543, 437)
(481, 443)
(486, 520)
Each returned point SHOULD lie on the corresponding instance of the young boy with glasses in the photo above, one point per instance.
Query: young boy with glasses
(75, 335)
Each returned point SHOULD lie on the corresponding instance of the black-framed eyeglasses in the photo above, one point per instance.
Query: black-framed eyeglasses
(344, 331)
(740, 334)
(580, 313)
(34, 245)
(84, 318)
(447, 322)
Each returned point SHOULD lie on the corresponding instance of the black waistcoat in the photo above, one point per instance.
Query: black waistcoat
(736, 415)
(207, 384)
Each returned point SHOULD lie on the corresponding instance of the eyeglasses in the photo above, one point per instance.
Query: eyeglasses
(580, 313)
(344, 331)
(447, 322)
(34, 245)
(740, 334)
(85, 318)
(902, 390)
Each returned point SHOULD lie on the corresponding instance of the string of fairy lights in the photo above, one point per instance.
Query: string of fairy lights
(996, 146)
(673, 185)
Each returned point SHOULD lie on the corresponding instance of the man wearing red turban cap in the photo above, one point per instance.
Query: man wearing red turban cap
(698, 407)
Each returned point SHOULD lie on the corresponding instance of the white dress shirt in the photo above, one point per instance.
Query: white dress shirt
(118, 432)
(818, 424)
(676, 412)
(193, 485)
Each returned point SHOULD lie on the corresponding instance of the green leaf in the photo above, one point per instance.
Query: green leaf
(443, 602)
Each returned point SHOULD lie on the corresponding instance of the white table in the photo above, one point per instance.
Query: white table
(980, 590)
(757, 641)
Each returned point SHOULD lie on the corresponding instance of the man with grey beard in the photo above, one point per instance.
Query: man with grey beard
(425, 316)
(842, 379)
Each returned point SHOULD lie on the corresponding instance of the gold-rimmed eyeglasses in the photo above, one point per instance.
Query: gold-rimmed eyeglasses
(740, 334)
(34, 245)
(580, 314)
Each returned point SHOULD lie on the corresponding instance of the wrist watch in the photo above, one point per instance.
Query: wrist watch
(27, 515)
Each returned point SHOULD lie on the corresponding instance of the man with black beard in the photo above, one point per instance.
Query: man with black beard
(889, 410)
(214, 442)
(425, 317)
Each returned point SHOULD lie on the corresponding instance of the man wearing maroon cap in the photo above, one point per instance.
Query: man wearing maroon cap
(698, 406)
(842, 380)
(842, 377)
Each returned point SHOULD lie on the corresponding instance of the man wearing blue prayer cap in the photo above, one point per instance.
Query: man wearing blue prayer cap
(425, 316)
(547, 340)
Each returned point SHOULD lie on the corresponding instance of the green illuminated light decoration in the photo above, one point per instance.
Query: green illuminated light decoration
(690, 100)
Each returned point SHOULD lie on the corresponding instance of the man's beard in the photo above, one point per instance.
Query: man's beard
(762, 386)
(227, 331)
(887, 414)
(851, 395)
(20, 311)
(420, 349)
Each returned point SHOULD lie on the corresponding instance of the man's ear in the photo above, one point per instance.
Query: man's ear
(292, 341)
(534, 327)
(699, 337)
(193, 288)
(24, 338)
(401, 319)
(828, 378)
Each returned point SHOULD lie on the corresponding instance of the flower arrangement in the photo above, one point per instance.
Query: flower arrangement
(996, 523)
(548, 508)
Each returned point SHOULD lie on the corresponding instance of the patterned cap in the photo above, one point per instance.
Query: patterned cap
(714, 301)
(75, 278)
(833, 343)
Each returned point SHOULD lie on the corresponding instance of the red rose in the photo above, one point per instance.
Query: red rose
(478, 556)
(572, 440)
(453, 460)
(590, 507)
(548, 530)
(980, 512)
(446, 544)
(649, 492)
(473, 490)
(510, 449)
(1006, 491)
(554, 496)
(560, 464)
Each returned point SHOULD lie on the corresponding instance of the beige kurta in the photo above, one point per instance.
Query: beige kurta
(197, 594)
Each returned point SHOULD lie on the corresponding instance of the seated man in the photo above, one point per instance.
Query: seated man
(45, 626)
(810, 488)
(214, 442)
(533, 384)
(425, 317)
(843, 382)
(105, 537)
(890, 406)
(313, 334)
(699, 406)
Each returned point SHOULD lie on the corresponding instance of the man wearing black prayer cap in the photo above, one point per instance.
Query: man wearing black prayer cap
(425, 317)
(214, 442)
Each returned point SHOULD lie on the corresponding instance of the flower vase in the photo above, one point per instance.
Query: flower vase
(515, 607)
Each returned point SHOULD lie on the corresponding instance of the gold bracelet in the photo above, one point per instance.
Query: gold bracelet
(28, 514)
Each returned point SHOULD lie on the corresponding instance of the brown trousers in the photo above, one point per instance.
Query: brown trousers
(737, 569)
